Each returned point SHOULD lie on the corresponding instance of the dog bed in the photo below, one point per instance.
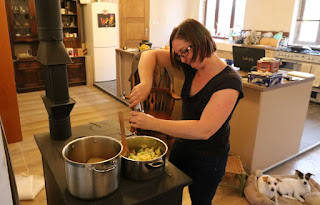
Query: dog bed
(255, 197)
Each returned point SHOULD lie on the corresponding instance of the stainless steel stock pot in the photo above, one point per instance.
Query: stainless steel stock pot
(144, 170)
(92, 180)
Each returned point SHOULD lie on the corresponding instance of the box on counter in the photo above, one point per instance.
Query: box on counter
(75, 52)
(266, 79)
(70, 52)
(268, 65)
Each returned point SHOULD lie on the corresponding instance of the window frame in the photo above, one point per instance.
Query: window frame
(297, 26)
(216, 18)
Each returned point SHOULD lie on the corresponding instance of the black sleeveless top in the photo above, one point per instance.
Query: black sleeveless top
(193, 106)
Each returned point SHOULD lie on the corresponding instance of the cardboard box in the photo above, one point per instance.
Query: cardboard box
(271, 66)
(80, 52)
(75, 52)
(70, 52)
(265, 80)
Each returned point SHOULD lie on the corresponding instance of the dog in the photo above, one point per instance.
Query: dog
(295, 188)
(268, 186)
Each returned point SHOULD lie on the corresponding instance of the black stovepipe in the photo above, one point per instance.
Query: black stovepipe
(54, 58)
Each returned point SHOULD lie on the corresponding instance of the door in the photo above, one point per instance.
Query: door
(134, 22)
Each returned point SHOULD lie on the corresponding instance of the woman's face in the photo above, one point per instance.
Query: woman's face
(183, 51)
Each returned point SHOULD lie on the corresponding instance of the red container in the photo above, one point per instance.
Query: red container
(75, 52)
(268, 66)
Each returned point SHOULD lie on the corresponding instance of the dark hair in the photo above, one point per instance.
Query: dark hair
(200, 38)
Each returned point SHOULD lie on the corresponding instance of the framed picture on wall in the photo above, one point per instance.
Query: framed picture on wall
(107, 20)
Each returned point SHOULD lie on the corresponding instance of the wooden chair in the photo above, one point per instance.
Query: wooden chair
(161, 100)
(234, 167)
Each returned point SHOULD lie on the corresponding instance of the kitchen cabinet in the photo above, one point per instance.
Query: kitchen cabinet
(70, 13)
(22, 25)
(29, 74)
(224, 54)
(77, 71)
(269, 53)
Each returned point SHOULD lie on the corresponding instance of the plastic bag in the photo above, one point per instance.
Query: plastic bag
(278, 36)
(29, 186)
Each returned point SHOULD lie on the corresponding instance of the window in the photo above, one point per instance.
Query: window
(307, 25)
(221, 15)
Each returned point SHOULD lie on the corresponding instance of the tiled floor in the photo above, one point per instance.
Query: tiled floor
(311, 131)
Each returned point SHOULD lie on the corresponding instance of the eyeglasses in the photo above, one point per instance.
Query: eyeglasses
(183, 53)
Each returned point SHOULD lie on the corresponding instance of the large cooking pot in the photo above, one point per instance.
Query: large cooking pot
(144, 170)
(92, 180)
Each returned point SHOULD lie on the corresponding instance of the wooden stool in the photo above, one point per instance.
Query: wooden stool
(234, 167)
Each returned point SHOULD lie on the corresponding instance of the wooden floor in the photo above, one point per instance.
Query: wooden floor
(93, 105)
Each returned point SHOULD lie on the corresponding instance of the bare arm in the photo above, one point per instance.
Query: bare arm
(214, 115)
(147, 64)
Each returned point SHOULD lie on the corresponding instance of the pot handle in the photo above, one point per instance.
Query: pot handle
(104, 170)
(155, 164)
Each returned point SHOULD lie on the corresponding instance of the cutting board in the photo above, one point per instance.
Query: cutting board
(270, 42)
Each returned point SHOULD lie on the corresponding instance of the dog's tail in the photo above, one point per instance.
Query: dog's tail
(258, 173)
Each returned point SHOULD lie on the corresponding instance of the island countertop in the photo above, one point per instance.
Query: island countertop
(284, 82)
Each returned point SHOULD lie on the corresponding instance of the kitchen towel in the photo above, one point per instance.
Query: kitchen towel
(316, 71)
(29, 186)
(306, 67)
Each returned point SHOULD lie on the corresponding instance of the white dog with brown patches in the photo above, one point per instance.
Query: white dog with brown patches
(295, 188)
(268, 185)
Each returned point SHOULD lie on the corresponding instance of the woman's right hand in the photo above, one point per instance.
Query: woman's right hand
(138, 94)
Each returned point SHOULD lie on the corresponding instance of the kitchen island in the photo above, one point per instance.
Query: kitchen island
(165, 189)
(267, 125)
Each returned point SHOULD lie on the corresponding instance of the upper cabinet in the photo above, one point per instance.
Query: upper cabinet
(70, 10)
(22, 24)
(22, 20)
(21, 15)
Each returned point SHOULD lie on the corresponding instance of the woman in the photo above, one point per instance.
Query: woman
(209, 95)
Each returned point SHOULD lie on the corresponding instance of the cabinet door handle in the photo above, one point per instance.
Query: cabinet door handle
(146, 32)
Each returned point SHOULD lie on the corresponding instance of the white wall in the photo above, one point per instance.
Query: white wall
(269, 15)
(167, 14)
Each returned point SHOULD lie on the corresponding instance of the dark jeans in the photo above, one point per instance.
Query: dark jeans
(205, 173)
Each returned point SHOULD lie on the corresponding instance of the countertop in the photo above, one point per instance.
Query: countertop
(226, 45)
(284, 82)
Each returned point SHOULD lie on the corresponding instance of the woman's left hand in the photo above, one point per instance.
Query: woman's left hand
(142, 120)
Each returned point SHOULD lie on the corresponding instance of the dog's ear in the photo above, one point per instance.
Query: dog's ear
(300, 174)
(279, 180)
(308, 175)
(265, 179)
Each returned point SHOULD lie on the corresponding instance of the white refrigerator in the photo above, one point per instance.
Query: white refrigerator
(101, 29)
